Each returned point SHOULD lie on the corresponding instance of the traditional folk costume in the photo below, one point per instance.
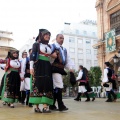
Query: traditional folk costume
(107, 83)
(41, 84)
(10, 91)
(2, 66)
(62, 61)
(81, 88)
(25, 84)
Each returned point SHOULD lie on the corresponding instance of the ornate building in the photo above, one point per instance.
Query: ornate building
(5, 45)
(108, 21)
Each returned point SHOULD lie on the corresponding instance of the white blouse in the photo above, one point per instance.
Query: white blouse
(45, 49)
(15, 63)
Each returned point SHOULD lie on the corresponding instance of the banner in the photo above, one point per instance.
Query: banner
(110, 41)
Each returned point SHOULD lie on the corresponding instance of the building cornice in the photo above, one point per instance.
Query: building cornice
(113, 6)
(80, 36)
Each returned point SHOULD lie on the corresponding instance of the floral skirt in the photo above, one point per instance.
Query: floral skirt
(11, 87)
(42, 84)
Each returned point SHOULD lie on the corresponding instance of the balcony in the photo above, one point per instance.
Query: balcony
(5, 35)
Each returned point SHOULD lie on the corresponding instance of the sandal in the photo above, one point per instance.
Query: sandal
(46, 110)
(11, 106)
(4, 103)
(37, 110)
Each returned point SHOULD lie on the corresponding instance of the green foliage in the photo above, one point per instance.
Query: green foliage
(66, 79)
(94, 76)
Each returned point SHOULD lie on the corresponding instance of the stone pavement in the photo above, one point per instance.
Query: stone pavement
(97, 110)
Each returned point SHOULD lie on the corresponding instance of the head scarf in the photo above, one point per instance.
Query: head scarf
(40, 37)
(10, 54)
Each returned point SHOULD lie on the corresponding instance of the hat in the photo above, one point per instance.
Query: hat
(107, 63)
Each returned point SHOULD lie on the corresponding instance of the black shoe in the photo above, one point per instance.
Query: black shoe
(37, 110)
(46, 110)
(53, 107)
(63, 109)
(93, 99)
(76, 99)
(30, 105)
(87, 100)
(108, 100)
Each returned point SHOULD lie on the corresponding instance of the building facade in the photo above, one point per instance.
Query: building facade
(108, 20)
(6, 40)
(79, 39)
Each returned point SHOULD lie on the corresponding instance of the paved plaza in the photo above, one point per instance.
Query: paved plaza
(97, 110)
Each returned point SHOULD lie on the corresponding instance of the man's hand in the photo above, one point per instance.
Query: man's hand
(71, 70)
(54, 55)
(32, 72)
(22, 79)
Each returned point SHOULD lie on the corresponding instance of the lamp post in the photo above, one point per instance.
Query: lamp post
(116, 60)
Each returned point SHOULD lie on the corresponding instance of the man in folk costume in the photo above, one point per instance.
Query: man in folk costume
(81, 89)
(107, 82)
(25, 70)
(62, 61)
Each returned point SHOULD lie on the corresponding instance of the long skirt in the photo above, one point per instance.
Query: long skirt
(1, 86)
(42, 84)
(11, 88)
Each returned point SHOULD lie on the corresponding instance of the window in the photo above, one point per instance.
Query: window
(88, 62)
(88, 41)
(94, 34)
(73, 60)
(85, 32)
(71, 39)
(95, 62)
(80, 50)
(80, 61)
(115, 21)
(72, 50)
(77, 32)
(95, 52)
(95, 42)
(80, 40)
(88, 51)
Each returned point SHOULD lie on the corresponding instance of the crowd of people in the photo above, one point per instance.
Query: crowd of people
(37, 78)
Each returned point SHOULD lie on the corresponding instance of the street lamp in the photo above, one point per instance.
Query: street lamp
(115, 58)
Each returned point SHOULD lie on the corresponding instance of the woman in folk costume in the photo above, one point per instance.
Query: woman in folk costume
(40, 67)
(82, 78)
(11, 88)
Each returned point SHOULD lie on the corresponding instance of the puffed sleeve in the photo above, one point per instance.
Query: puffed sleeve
(34, 54)
(69, 63)
(79, 75)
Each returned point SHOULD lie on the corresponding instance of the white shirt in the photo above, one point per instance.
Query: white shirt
(105, 77)
(23, 67)
(80, 74)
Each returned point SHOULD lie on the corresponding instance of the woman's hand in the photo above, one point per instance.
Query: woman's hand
(32, 72)
(54, 55)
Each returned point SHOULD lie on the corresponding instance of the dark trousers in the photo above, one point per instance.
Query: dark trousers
(58, 97)
(22, 96)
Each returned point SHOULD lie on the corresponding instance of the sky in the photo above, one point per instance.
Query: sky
(25, 17)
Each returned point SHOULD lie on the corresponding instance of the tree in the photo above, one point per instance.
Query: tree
(94, 76)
